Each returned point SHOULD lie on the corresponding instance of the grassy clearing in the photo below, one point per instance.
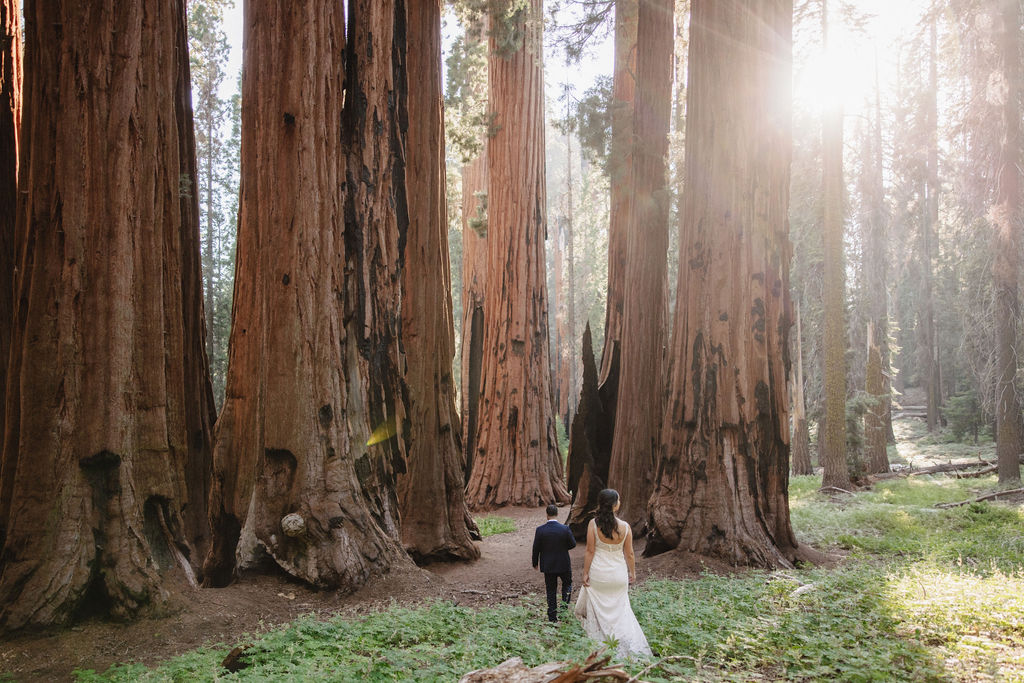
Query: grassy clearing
(491, 525)
(922, 595)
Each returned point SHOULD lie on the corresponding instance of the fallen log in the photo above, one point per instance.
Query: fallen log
(990, 496)
(595, 668)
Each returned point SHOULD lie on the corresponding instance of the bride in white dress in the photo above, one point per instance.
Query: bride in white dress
(608, 569)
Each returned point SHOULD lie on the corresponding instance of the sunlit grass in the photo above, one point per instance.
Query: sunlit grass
(491, 525)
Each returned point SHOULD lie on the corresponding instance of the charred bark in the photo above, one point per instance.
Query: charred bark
(110, 445)
(517, 460)
(435, 521)
(590, 444)
(314, 364)
(722, 481)
(10, 129)
(640, 408)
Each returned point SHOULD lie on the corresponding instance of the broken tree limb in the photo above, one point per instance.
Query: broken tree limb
(988, 497)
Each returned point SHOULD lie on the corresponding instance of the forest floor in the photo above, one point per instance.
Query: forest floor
(871, 526)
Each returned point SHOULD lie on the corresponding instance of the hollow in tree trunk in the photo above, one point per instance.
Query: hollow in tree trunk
(435, 521)
(108, 333)
(314, 364)
(722, 481)
(640, 401)
(517, 460)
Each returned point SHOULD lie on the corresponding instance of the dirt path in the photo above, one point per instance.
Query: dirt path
(209, 616)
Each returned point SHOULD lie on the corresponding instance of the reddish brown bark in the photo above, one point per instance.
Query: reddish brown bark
(722, 481)
(474, 287)
(10, 125)
(1007, 215)
(435, 521)
(640, 407)
(314, 364)
(620, 163)
(107, 445)
(516, 460)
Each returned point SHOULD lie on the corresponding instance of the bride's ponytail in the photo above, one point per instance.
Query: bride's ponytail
(605, 518)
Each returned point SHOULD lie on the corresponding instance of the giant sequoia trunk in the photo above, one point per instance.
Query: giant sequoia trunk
(722, 481)
(435, 520)
(474, 287)
(640, 401)
(109, 442)
(10, 123)
(314, 363)
(620, 167)
(1007, 216)
(517, 460)
(801, 451)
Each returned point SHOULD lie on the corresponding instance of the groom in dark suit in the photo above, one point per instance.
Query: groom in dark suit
(551, 545)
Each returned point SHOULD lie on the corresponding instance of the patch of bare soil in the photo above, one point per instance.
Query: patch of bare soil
(255, 604)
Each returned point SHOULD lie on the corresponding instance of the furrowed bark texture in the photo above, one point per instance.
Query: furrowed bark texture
(1007, 215)
(435, 521)
(874, 418)
(590, 443)
(314, 363)
(621, 170)
(10, 125)
(517, 460)
(474, 287)
(722, 480)
(106, 443)
(832, 442)
(801, 451)
(641, 395)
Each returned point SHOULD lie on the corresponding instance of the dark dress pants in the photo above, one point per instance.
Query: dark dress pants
(551, 583)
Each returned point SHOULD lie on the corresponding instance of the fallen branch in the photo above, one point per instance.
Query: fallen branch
(979, 473)
(990, 496)
(835, 488)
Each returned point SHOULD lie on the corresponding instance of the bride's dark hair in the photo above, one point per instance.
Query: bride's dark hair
(605, 518)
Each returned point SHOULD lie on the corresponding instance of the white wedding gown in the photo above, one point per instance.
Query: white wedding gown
(604, 606)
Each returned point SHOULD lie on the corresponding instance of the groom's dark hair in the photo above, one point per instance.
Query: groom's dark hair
(552, 510)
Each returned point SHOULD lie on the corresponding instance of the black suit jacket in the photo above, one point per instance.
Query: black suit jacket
(551, 545)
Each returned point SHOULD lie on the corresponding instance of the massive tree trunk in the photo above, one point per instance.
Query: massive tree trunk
(1007, 216)
(10, 125)
(111, 444)
(722, 481)
(474, 287)
(801, 453)
(566, 374)
(640, 401)
(314, 364)
(832, 442)
(620, 166)
(435, 521)
(517, 458)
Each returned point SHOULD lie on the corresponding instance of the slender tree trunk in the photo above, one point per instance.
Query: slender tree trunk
(474, 287)
(722, 482)
(932, 381)
(642, 385)
(108, 443)
(562, 339)
(314, 364)
(874, 419)
(518, 461)
(10, 129)
(574, 381)
(801, 459)
(832, 444)
(621, 171)
(1007, 217)
(435, 521)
